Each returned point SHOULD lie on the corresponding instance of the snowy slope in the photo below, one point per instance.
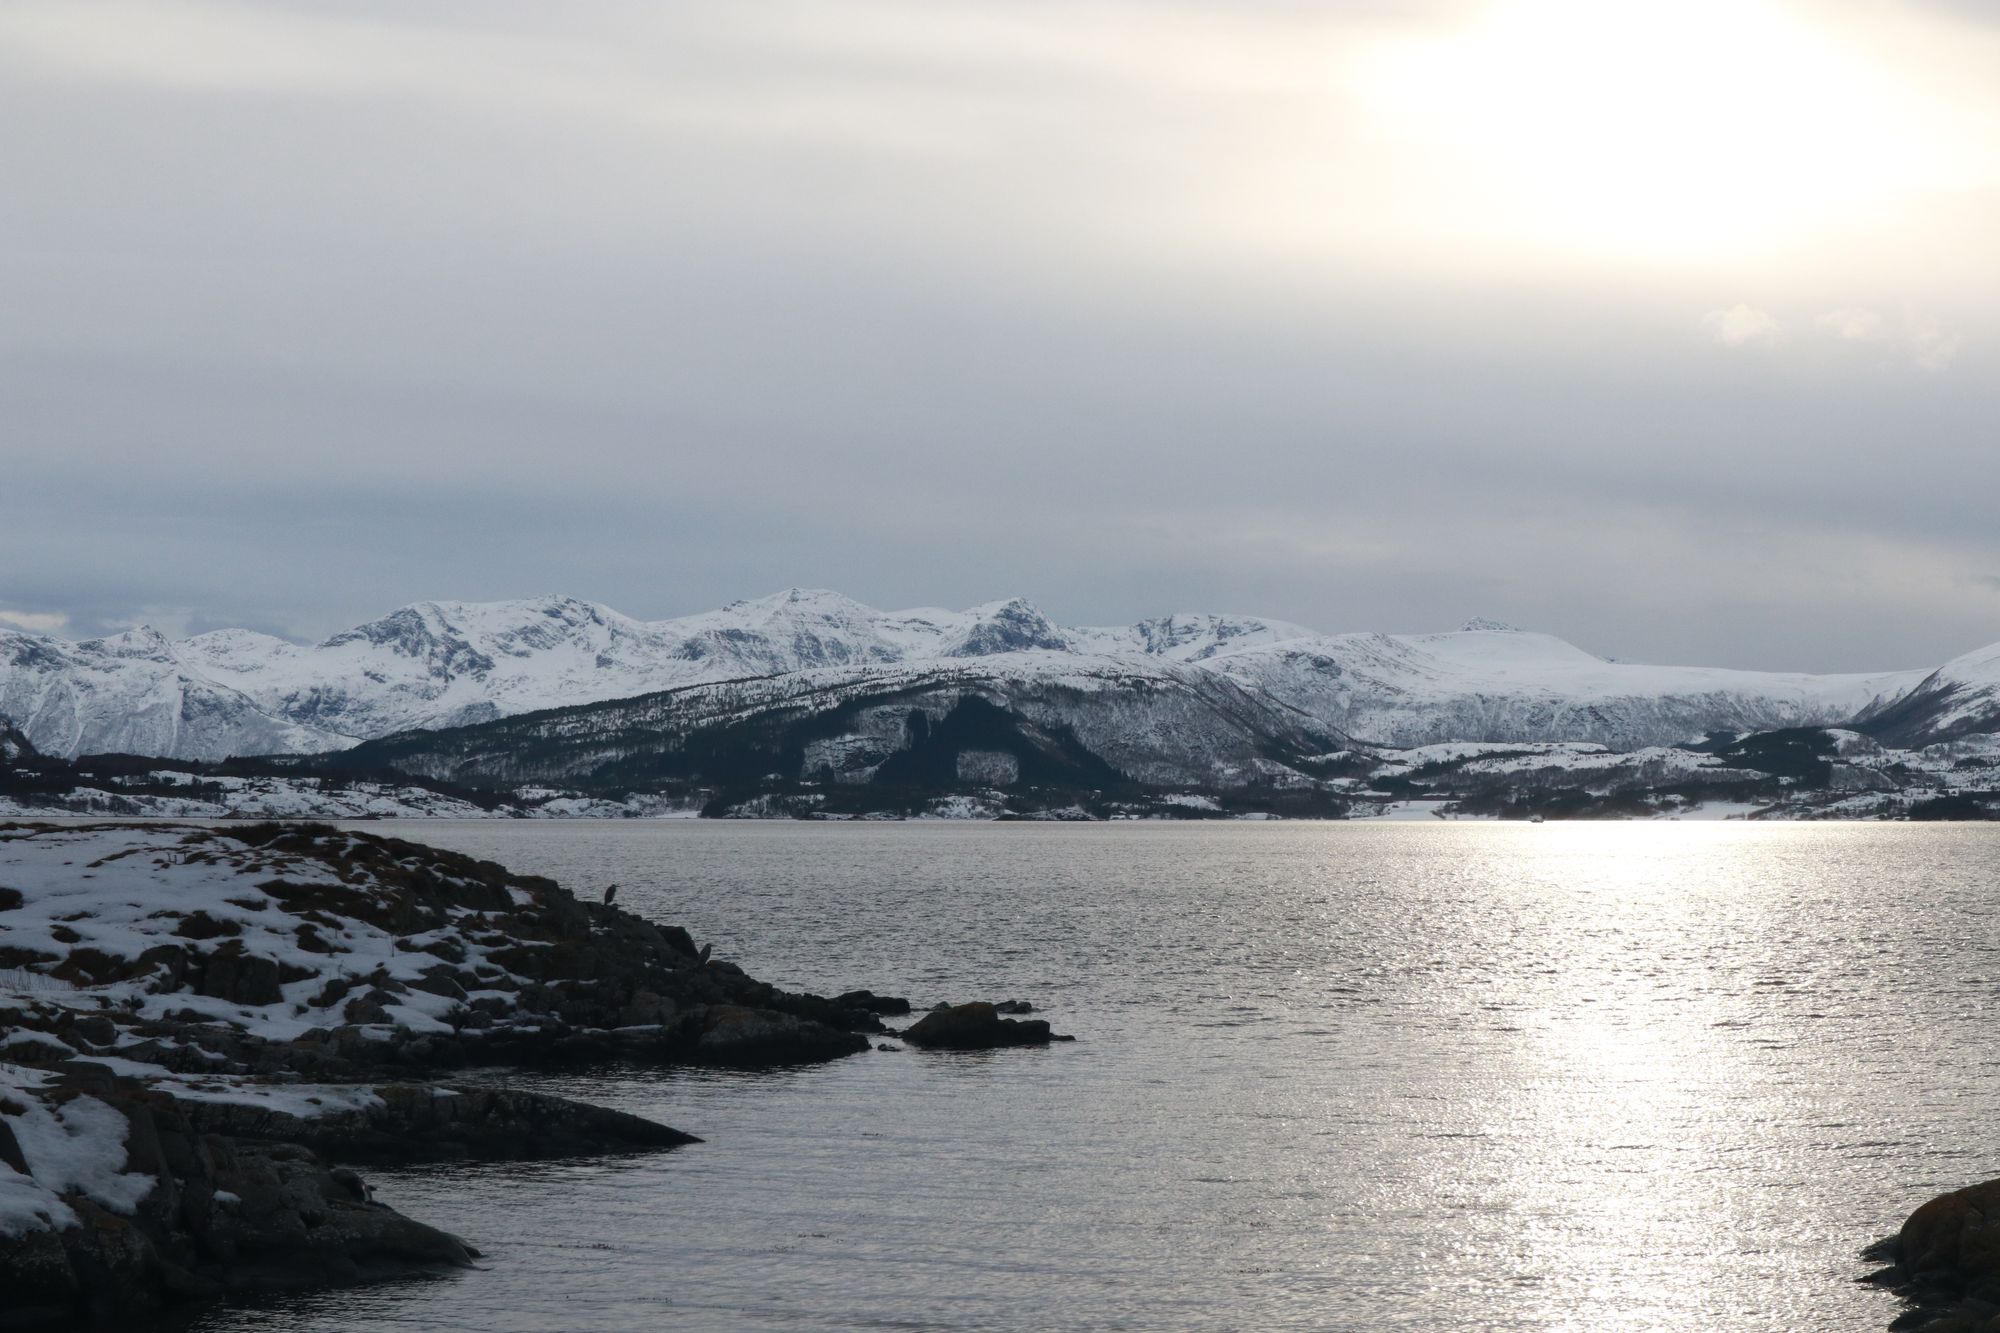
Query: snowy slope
(449, 664)
(1960, 698)
(438, 664)
(445, 664)
(133, 693)
(1186, 637)
(1491, 683)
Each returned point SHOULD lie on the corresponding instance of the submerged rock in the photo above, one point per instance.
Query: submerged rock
(976, 1027)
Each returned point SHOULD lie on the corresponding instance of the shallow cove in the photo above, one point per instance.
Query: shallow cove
(1331, 1076)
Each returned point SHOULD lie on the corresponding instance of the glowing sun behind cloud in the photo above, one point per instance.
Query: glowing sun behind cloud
(1690, 128)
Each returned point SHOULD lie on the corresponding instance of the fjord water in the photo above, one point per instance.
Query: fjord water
(1329, 1076)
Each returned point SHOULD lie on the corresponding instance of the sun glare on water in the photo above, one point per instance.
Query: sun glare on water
(1690, 127)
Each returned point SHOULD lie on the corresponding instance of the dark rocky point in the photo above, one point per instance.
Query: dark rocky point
(310, 986)
(1945, 1261)
(222, 1216)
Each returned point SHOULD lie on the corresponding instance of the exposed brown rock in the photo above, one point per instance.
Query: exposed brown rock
(1947, 1263)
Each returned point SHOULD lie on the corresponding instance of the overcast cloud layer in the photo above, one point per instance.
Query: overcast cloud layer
(1669, 329)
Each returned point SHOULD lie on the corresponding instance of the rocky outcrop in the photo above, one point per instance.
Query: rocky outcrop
(210, 1198)
(976, 1027)
(406, 1122)
(197, 1215)
(1946, 1263)
(198, 1023)
(398, 957)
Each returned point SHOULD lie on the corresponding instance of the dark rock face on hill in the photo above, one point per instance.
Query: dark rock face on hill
(200, 1021)
(1939, 709)
(979, 724)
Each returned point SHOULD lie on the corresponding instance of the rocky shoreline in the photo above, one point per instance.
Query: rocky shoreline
(1945, 1263)
(197, 1024)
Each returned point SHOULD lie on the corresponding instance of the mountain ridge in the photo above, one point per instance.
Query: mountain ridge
(443, 664)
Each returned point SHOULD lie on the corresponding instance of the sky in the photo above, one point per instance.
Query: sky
(1671, 328)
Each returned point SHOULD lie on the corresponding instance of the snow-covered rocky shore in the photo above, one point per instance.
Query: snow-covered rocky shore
(196, 1023)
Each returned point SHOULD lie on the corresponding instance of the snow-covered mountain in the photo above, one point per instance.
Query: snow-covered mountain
(1960, 698)
(452, 664)
(447, 664)
(441, 664)
(1037, 716)
(444, 664)
(135, 693)
(1489, 682)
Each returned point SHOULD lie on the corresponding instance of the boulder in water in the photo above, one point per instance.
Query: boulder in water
(869, 1002)
(1947, 1262)
(976, 1027)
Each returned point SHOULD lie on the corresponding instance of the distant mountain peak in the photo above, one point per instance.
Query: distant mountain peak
(139, 641)
(1010, 626)
(1482, 625)
(793, 602)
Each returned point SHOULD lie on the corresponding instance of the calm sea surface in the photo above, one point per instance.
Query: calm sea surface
(1329, 1076)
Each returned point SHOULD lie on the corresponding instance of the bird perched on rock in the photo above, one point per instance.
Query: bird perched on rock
(706, 950)
(609, 893)
(350, 1180)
